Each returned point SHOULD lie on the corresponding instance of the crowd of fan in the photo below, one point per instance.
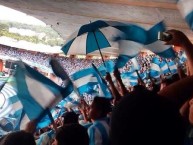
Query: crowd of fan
(41, 60)
(161, 116)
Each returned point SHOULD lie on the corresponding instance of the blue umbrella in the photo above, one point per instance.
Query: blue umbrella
(99, 35)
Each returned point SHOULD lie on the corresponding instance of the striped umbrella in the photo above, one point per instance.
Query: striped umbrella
(93, 37)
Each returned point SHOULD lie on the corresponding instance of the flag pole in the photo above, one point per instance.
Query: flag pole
(99, 48)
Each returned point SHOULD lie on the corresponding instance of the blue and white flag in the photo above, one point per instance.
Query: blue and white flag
(104, 90)
(109, 67)
(186, 9)
(155, 70)
(129, 78)
(37, 93)
(164, 67)
(181, 58)
(157, 46)
(84, 80)
(127, 50)
(72, 100)
(129, 47)
(135, 64)
(172, 66)
(12, 107)
(9, 102)
(45, 138)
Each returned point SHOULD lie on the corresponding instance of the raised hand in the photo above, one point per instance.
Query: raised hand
(178, 38)
(31, 126)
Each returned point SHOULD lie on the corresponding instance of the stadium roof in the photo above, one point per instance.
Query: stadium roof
(66, 16)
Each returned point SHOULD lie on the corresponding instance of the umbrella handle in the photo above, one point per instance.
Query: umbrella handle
(99, 50)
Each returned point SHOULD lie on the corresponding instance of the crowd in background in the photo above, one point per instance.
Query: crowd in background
(71, 65)
(42, 60)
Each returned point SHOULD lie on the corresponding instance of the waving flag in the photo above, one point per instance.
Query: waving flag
(155, 70)
(164, 67)
(102, 83)
(157, 46)
(172, 66)
(109, 67)
(127, 51)
(84, 80)
(10, 104)
(130, 47)
(129, 78)
(186, 9)
(135, 65)
(181, 58)
(37, 93)
(73, 98)
(12, 108)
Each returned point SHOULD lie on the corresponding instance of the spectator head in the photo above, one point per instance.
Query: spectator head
(143, 117)
(99, 108)
(70, 117)
(71, 134)
(175, 77)
(18, 138)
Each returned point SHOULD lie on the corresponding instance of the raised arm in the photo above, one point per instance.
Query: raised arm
(113, 89)
(123, 89)
(180, 91)
(181, 40)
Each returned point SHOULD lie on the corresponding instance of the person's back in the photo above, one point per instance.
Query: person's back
(144, 117)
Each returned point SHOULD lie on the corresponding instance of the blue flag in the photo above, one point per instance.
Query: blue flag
(37, 93)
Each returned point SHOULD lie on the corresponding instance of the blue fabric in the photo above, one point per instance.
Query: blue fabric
(99, 130)
(95, 41)
(169, 53)
(133, 33)
(152, 37)
(189, 20)
(155, 70)
(102, 83)
(88, 88)
(87, 125)
(87, 85)
(109, 67)
(164, 67)
(131, 76)
(149, 39)
(172, 66)
(94, 35)
(81, 73)
(122, 60)
(45, 138)
(66, 47)
(92, 27)
(31, 107)
(152, 33)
